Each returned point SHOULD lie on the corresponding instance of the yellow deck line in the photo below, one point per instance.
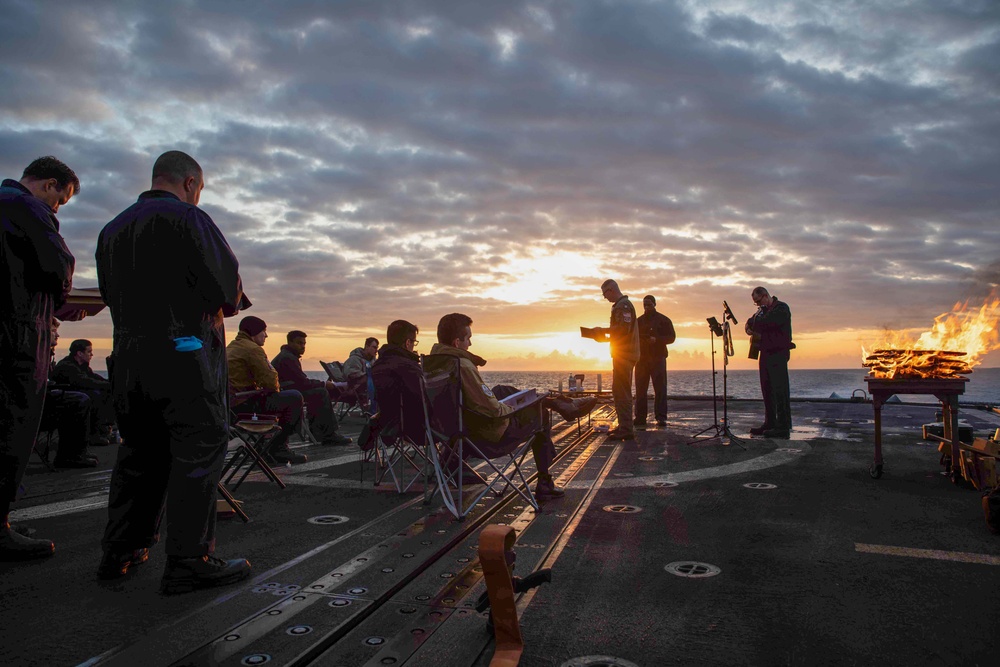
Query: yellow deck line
(958, 556)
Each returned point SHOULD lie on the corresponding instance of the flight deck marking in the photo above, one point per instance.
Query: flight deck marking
(770, 460)
(935, 554)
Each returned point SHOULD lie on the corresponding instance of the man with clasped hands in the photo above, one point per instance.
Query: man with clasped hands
(771, 330)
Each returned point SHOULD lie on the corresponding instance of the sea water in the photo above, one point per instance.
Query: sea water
(983, 385)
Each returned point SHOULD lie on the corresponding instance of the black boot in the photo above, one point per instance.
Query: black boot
(14, 546)
(183, 575)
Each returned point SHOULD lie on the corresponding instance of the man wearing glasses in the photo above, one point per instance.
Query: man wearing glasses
(396, 376)
(623, 335)
(771, 326)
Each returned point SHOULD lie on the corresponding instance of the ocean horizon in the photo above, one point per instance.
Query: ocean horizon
(983, 385)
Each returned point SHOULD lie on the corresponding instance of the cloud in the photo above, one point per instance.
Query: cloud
(370, 160)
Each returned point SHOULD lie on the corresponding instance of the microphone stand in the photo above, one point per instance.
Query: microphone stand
(721, 429)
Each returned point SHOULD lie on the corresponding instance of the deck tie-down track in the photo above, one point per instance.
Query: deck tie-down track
(407, 600)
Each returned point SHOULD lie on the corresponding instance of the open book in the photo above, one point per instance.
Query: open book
(596, 333)
(521, 398)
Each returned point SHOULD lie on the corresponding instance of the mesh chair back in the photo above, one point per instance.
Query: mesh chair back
(443, 390)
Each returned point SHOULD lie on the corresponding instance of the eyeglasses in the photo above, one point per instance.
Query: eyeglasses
(415, 342)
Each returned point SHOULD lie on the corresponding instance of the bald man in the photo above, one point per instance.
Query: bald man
(169, 278)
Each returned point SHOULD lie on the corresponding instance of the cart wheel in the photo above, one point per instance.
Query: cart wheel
(875, 471)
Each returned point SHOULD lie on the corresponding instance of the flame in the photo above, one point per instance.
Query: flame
(954, 345)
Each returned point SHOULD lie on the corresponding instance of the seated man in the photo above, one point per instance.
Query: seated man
(68, 412)
(484, 414)
(358, 371)
(316, 393)
(396, 376)
(74, 372)
(249, 370)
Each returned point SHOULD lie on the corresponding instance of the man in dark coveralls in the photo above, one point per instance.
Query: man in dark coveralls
(36, 273)
(771, 327)
(168, 277)
(656, 331)
(623, 335)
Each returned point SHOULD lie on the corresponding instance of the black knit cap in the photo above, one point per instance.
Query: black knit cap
(252, 325)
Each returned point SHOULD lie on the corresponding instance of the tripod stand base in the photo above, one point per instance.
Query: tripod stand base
(720, 432)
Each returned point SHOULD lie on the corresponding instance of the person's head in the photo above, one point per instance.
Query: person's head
(254, 327)
(455, 329)
(760, 296)
(179, 174)
(402, 334)
(296, 341)
(51, 181)
(82, 351)
(54, 330)
(371, 348)
(609, 288)
(649, 303)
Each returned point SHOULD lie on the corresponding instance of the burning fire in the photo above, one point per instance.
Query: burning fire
(952, 347)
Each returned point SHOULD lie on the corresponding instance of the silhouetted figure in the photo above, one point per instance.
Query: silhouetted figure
(771, 327)
(656, 331)
(623, 334)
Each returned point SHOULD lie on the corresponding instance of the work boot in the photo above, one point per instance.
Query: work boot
(337, 440)
(779, 433)
(16, 546)
(661, 422)
(115, 565)
(288, 456)
(759, 430)
(183, 575)
(619, 434)
(546, 489)
(571, 409)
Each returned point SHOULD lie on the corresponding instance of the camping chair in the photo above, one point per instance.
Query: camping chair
(397, 456)
(42, 450)
(255, 432)
(449, 444)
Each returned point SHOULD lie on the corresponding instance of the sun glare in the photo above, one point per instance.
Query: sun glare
(532, 276)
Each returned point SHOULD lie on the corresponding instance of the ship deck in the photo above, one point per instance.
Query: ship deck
(811, 560)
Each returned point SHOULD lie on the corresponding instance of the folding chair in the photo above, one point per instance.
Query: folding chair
(41, 450)
(449, 443)
(255, 432)
(397, 456)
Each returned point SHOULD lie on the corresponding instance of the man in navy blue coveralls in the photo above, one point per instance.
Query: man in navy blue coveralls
(168, 277)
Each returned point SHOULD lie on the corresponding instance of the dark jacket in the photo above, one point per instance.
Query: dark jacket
(37, 270)
(36, 273)
(398, 389)
(78, 376)
(774, 327)
(166, 271)
(659, 326)
(290, 373)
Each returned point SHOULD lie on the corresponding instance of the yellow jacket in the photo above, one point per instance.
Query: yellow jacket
(249, 368)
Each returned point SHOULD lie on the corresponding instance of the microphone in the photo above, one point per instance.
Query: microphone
(729, 313)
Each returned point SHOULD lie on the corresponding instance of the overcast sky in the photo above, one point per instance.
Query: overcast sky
(377, 160)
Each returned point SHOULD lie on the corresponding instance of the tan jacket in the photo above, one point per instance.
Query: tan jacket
(483, 413)
(249, 368)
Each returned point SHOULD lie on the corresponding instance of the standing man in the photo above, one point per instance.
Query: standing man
(771, 327)
(624, 337)
(656, 331)
(317, 394)
(168, 277)
(36, 273)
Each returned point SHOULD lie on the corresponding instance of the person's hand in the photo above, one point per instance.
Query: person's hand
(74, 315)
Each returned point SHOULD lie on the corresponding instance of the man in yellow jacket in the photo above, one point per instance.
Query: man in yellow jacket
(487, 419)
(250, 371)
